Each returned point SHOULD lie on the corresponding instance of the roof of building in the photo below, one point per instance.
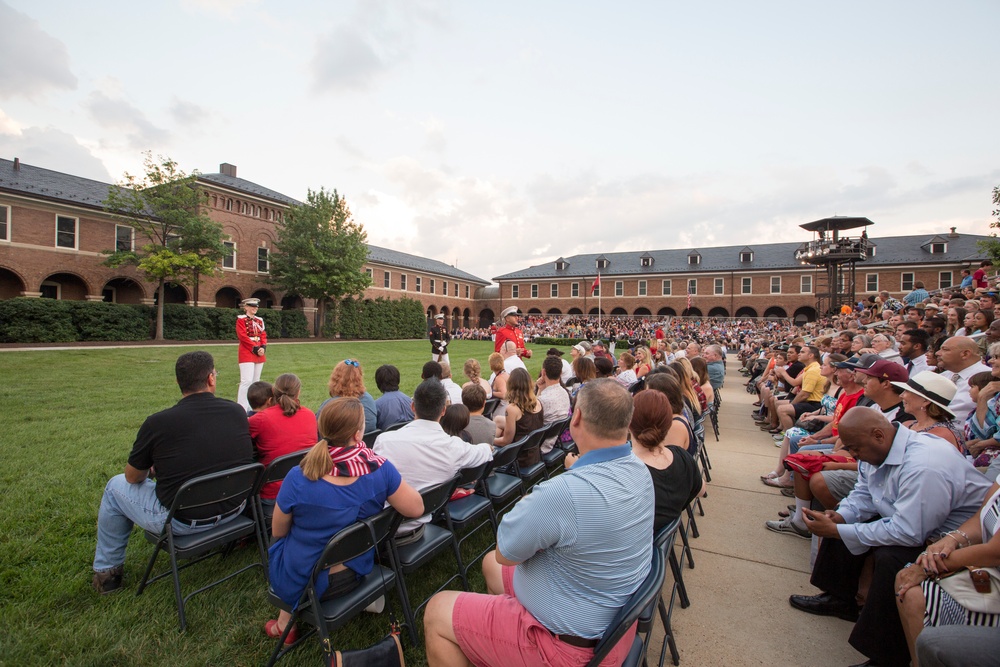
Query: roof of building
(417, 263)
(249, 187)
(52, 185)
(892, 250)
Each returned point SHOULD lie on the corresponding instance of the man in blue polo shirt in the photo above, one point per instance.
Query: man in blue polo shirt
(568, 557)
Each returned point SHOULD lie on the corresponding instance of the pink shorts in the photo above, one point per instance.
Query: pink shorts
(497, 631)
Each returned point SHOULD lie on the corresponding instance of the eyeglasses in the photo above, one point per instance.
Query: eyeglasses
(351, 362)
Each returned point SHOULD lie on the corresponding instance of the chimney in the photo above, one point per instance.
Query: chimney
(953, 235)
(227, 169)
(17, 164)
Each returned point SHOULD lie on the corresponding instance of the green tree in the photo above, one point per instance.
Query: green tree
(991, 246)
(177, 238)
(320, 251)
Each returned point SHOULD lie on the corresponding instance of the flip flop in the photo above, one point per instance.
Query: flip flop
(773, 482)
(768, 476)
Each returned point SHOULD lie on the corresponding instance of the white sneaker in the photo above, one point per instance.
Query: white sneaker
(376, 607)
(788, 527)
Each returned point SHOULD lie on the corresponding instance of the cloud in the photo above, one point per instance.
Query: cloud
(434, 139)
(52, 149)
(31, 60)
(223, 8)
(357, 53)
(120, 115)
(187, 113)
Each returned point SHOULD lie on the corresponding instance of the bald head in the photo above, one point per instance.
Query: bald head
(508, 349)
(958, 353)
(867, 434)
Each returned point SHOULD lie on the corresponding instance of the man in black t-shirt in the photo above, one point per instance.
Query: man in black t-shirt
(201, 434)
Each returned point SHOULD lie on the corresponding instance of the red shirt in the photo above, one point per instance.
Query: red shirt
(844, 403)
(275, 435)
(979, 278)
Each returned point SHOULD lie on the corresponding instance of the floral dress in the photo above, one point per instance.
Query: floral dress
(827, 404)
(973, 431)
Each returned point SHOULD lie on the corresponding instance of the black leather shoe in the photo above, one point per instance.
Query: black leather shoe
(825, 604)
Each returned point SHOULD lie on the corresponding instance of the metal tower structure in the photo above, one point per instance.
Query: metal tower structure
(837, 255)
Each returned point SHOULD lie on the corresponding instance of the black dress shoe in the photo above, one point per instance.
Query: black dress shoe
(825, 604)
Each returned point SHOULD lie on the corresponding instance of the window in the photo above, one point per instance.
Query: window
(370, 273)
(444, 287)
(944, 279)
(456, 290)
(665, 289)
(66, 232)
(746, 256)
(596, 291)
(229, 258)
(938, 248)
(554, 290)
(534, 290)
(747, 287)
(431, 290)
(574, 289)
(515, 291)
(123, 238)
(871, 282)
(692, 286)
(4, 223)
(51, 290)
(602, 263)
(619, 288)
(775, 284)
(229, 204)
(386, 279)
(417, 283)
(402, 281)
(263, 260)
(466, 291)
(109, 295)
(720, 286)
(561, 265)
(642, 288)
(906, 282)
(806, 284)
(646, 261)
(694, 259)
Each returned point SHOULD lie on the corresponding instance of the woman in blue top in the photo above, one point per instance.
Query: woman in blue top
(338, 482)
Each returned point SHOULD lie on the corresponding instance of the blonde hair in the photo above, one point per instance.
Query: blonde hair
(473, 371)
(286, 393)
(521, 391)
(496, 362)
(339, 420)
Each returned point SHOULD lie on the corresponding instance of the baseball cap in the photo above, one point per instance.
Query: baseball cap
(886, 370)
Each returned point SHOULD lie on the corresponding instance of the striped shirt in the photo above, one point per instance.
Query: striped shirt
(583, 541)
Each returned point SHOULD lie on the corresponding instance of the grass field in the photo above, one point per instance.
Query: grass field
(68, 426)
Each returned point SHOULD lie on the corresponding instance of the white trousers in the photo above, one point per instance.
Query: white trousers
(249, 373)
(441, 358)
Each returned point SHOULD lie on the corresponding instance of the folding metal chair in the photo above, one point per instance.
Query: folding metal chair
(532, 474)
(474, 510)
(553, 458)
(663, 541)
(351, 542)
(644, 598)
(502, 489)
(370, 436)
(490, 407)
(234, 485)
(275, 471)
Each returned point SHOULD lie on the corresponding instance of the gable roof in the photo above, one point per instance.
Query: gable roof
(892, 250)
(399, 259)
(52, 185)
(248, 187)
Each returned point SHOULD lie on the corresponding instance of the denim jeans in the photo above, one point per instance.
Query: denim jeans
(123, 506)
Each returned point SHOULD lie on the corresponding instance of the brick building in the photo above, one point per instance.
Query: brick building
(762, 280)
(53, 230)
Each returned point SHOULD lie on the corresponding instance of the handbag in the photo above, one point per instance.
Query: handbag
(386, 653)
(811, 425)
(977, 589)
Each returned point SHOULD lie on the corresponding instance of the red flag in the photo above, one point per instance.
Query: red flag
(597, 283)
(689, 301)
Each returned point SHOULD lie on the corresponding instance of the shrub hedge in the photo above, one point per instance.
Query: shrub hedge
(26, 320)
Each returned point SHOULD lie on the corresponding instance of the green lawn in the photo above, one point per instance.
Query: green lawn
(69, 424)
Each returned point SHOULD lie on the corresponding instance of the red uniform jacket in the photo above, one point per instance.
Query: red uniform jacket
(506, 333)
(250, 331)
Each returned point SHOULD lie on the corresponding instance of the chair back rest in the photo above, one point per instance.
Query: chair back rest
(490, 407)
(233, 484)
(435, 497)
(664, 539)
(277, 469)
(637, 386)
(556, 428)
(505, 455)
(534, 439)
(370, 436)
(472, 475)
(356, 539)
(648, 591)
(394, 427)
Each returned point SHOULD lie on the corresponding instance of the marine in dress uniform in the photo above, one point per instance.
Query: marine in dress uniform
(253, 341)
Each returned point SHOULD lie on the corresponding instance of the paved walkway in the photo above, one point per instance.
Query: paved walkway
(739, 613)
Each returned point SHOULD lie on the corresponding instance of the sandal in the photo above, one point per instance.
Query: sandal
(272, 630)
(768, 476)
(773, 482)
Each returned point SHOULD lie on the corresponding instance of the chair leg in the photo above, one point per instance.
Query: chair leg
(149, 569)
(177, 579)
(679, 586)
(668, 632)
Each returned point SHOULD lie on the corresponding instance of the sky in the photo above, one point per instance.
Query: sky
(494, 136)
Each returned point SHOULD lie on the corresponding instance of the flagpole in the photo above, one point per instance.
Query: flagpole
(600, 293)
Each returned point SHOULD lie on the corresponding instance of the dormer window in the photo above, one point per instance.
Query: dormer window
(646, 260)
(602, 262)
(939, 248)
(746, 255)
(561, 264)
(694, 258)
